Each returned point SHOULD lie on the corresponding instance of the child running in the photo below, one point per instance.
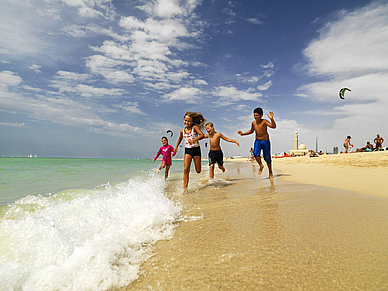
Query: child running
(215, 153)
(165, 151)
(194, 122)
(259, 126)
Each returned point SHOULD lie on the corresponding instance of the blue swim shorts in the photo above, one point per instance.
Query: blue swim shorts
(264, 145)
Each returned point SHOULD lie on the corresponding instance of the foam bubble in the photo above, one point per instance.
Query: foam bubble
(89, 240)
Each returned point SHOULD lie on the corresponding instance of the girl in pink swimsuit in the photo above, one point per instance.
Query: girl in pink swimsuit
(165, 151)
(192, 133)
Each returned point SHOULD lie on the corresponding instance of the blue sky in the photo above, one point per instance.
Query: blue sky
(105, 78)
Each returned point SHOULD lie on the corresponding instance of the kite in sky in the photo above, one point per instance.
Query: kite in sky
(342, 92)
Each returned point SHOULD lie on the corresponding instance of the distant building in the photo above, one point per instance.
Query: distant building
(298, 150)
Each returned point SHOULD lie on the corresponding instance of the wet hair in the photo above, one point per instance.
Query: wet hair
(209, 123)
(164, 137)
(197, 118)
(258, 110)
(348, 136)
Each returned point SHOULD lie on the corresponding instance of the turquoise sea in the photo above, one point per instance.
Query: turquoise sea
(82, 224)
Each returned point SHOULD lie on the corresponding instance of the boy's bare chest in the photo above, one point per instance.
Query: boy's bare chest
(259, 127)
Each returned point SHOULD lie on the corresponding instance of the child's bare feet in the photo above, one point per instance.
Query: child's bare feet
(261, 169)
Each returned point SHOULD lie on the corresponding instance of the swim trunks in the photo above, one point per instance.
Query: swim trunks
(264, 145)
(193, 152)
(216, 157)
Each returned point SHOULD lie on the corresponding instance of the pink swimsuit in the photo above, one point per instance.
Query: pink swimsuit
(166, 152)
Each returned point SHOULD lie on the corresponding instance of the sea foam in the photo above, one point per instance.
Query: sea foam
(84, 240)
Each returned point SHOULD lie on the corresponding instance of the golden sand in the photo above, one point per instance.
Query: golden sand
(252, 233)
(363, 172)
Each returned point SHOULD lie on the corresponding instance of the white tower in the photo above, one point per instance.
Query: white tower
(296, 140)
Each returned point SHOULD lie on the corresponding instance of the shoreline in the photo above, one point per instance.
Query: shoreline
(257, 233)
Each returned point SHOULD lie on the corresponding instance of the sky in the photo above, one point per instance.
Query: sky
(108, 78)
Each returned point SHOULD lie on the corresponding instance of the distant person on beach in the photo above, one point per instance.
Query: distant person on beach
(379, 142)
(165, 150)
(252, 155)
(215, 153)
(347, 144)
(194, 122)
(367, 148)
(262, 142)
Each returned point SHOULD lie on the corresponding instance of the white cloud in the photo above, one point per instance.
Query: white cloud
(9, 79)
(106, 67)
(200, 82)
(71, 76)
(26, 87)
(163, 8)
(131, 107)
(367, 87)
(356, 43)
(65, 111)
(229, 95)
(35, 68)
(88, 8)
(255, 21)
(188, 95)
(269, 65)
(13, 124)
(89, 12)
(265, 86)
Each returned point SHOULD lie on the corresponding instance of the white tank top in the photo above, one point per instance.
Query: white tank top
(191, 136)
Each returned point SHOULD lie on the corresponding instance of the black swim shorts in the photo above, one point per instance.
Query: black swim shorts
(216, 157)
(193, 152)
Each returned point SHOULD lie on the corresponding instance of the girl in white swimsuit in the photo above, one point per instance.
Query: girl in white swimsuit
(192, 134)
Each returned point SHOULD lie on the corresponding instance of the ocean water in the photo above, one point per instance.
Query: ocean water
(81, 224)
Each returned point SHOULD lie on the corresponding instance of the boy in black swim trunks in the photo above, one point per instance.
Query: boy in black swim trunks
(215, 153)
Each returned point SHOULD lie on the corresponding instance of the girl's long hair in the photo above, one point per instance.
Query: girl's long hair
(197, 117)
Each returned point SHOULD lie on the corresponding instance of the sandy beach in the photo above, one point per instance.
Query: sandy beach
(320, 224)
(363, 172)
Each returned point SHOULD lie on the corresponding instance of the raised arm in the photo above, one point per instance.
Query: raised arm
(230, 140)
(271, 124)
(248, 132)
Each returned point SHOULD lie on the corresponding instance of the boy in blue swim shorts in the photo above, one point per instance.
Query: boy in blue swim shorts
(215, 153)
(259, 126)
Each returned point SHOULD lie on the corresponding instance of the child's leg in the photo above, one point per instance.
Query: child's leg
(256, 153)
(161, 166)
(211, 172)
(267, 156)
(166, 171)
(221, 167)
(258, 160)
(186, 171)
(270, 170)
(197, 163)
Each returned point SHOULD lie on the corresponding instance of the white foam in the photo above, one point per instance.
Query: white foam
(92, 240)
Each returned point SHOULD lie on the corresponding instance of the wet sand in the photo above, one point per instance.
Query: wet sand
(252, 233)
